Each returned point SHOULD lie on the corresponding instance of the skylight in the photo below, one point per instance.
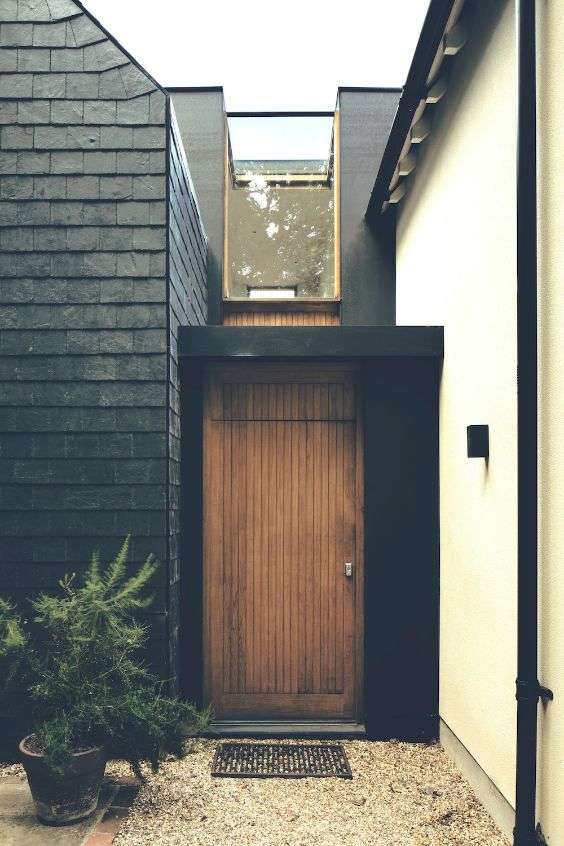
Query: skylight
(297, 144)
(281, 209)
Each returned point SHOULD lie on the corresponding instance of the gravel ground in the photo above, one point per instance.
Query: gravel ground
(401, 795)
(11, 770)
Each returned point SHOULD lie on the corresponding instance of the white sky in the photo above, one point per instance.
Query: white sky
(289, 55)
(280, 137)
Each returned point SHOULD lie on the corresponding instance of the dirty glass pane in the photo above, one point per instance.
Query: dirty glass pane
(281, 209)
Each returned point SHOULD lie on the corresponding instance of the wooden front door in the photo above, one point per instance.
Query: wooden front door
(283, 613)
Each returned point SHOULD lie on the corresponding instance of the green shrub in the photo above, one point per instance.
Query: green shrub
(79, 657)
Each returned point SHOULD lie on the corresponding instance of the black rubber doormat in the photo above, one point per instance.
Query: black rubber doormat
(281, 760)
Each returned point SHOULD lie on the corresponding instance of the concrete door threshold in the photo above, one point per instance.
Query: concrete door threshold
(287, 729)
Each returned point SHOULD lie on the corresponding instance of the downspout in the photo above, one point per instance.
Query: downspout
(528, 689)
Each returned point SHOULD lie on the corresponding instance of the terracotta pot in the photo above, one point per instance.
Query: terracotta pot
(66, 798)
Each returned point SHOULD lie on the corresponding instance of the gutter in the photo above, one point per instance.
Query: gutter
(528, 689)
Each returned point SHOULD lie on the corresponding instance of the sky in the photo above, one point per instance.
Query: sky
(291, 55)
(280, 138)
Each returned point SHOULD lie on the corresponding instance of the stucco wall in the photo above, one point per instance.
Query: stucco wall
(551, 481)
(456, 266)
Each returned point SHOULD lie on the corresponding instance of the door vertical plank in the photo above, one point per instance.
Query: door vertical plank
(287, 538)
(227, 544)
(349, 536)
(308, 553)
(317, 516)
(265, 451)
(302, 558)
(257, 562)
(340, 552)
(279, 560)
(287, 549)
(265, 598)
(332, 572)
(242, 563)
(359, 552)
(251, 523)
(276, 557)
(271, 554)
(239, 493)
(325, 631)
(282, 527)
(295, 644)
(233, 585)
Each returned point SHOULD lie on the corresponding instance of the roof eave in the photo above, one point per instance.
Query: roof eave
(436, 24)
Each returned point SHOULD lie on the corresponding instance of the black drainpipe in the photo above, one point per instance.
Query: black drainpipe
(529, 691)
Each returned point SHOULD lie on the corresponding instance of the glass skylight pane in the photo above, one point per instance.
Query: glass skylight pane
(282, 139)
(281, 208)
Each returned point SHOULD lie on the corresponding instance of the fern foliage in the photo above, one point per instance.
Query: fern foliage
(80, 658)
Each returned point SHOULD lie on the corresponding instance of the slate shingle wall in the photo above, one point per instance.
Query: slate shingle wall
(89, 430)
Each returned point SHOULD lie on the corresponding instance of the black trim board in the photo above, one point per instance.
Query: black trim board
(401, 465)
(320, 342)
(175, 89)
(400, 397)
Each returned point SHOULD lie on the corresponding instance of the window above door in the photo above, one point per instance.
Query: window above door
(282, 215)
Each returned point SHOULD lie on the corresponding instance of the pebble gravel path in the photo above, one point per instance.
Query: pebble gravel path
(401, 795)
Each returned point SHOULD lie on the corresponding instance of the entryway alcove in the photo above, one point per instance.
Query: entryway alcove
(310, 509)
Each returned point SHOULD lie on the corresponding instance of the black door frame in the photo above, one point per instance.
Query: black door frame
(401, 543)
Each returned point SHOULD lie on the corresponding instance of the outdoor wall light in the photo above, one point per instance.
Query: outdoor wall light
(478, 438)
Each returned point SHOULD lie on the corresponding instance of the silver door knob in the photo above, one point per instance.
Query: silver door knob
(348, 569)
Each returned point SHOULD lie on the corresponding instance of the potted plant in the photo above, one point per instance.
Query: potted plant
(79, 658)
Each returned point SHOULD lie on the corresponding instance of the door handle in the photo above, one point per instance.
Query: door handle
(348, 569)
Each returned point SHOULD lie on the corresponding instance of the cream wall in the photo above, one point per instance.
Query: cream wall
(456, 267)
(551, 318)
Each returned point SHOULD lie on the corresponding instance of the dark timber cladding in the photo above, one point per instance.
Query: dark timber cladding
(89, 306)
(367, 253)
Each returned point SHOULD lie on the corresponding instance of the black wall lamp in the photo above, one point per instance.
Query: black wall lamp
(478, 438)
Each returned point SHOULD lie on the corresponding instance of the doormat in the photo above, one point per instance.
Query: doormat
(281, 760)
